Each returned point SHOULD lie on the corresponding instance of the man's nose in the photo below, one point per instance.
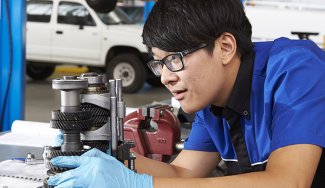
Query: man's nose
(167, 76)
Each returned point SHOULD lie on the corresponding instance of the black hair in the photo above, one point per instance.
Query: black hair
(177, 25)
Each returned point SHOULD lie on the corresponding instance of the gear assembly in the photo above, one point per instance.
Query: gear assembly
(92, 115)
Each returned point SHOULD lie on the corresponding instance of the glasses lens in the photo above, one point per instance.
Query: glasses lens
(155, 67)
(173, 62)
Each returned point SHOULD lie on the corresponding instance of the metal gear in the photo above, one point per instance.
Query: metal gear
(71, 116)
(95, 110)
(102, 145)
(71, 125)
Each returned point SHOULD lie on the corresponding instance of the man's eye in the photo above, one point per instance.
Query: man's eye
(172, 58)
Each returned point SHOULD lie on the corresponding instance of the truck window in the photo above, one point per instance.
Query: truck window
(75, 14)
(39, 11)
(117, 16)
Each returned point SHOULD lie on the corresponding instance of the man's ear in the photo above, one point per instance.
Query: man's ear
(228, 47)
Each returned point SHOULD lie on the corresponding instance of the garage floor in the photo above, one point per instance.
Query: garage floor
(41, 99)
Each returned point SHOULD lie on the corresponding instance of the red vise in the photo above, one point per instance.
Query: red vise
(155, 130)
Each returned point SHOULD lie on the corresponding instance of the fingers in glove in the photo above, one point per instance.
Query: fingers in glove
(71, 183)
(97, 153)
(68, 161)
(94, 153)
(62, 178)
(59, 139)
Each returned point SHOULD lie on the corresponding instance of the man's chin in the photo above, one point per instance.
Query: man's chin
(189, 109)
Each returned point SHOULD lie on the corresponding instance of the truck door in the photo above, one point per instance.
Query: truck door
(38, 35)
(76, 37)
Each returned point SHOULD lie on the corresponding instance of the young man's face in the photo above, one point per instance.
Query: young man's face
(200, 83)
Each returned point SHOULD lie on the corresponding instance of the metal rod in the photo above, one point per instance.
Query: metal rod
(70, 99)
(121, 109)
(113, 117)
(131, 162)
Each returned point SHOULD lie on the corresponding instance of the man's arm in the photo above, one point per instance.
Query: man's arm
(188, 164)
(291, 166)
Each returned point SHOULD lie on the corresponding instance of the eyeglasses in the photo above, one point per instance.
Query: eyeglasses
(174, 62)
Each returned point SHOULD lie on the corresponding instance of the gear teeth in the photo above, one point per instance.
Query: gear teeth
(95, 90)
(56, 168)
(102, 145)
(55, 152)
(99, 115)
(95, 110)
(45, 183)
(72, 125)
(61, 153)
(71, 116)
(100, 119)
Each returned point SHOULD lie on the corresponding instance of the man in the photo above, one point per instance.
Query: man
(259, 106)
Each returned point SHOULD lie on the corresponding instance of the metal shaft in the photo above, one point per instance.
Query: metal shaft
(113, 118)
(70, 100)
(70, 87)
(120, 110)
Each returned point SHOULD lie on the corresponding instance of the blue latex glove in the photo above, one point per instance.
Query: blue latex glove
(96, 169)
(59, 139)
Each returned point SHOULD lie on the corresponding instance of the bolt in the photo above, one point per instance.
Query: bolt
(162, 113)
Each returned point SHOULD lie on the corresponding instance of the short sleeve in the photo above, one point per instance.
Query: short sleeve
(297, 87)
(199, 138)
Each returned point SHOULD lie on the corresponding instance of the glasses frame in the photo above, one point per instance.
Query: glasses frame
(182, 54)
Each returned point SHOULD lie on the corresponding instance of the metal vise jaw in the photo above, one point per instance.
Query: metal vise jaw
(155, 131)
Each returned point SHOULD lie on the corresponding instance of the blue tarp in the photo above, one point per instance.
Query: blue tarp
(12, 61)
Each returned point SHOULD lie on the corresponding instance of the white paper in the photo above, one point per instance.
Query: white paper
(6, 182)
(18, 174)
(33, 128)
(29, 133)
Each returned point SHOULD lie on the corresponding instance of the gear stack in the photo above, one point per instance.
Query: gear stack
(95, 99)
(90, 116)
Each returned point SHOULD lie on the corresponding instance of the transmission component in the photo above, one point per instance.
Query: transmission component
(90, 116)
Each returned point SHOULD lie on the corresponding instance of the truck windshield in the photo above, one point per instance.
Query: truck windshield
(117, 16)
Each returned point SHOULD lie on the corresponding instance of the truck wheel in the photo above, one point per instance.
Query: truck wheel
(39, 72)
(129, 68)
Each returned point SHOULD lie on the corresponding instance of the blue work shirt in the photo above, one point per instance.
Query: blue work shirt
(287, 104)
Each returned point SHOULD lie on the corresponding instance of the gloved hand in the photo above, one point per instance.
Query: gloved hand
(96, 169)
(59, 139)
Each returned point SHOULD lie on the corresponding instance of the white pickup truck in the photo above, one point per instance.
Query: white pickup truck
(70, 32)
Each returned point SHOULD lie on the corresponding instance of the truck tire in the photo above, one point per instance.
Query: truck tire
(130, 69)
(39, 72)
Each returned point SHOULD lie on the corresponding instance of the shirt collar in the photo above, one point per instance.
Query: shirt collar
(239, 100)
